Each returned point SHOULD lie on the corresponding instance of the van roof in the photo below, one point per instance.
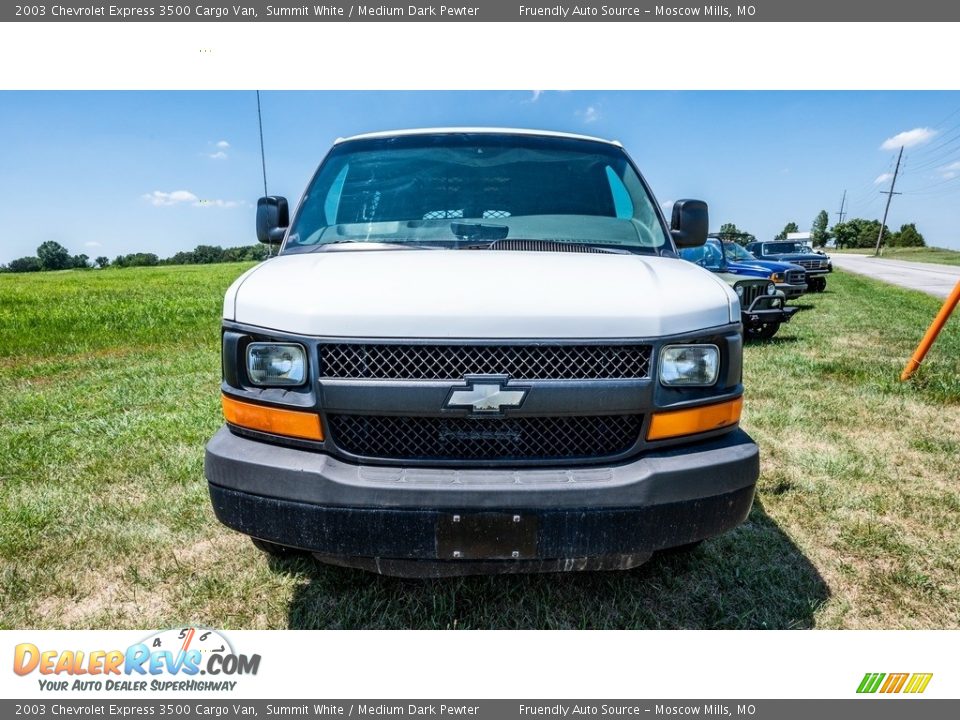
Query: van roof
(458, 130)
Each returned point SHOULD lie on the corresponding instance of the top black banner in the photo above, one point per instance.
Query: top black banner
(488, 11)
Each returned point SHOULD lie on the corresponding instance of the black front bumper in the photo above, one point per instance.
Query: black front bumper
(755, 317)
(334, 509)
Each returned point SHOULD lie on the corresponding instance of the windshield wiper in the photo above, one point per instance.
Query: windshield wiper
(386, 241)
(547, 246)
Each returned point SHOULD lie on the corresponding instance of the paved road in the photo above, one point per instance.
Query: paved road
(937, 280)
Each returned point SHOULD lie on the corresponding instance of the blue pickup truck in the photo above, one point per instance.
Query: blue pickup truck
(817, 266)
(789, 278)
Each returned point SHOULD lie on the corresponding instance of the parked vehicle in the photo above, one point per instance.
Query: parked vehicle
(816, 265)
(762, 307)
(478, 351)
(790, 279)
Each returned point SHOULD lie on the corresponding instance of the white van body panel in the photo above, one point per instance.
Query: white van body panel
(396, 293)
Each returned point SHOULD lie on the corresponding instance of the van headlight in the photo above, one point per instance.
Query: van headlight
(771, 289)
(689, 365)
(276, 364)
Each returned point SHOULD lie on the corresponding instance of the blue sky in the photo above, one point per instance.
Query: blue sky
(105, 173)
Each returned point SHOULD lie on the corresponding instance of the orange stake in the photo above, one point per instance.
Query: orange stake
(935, 327)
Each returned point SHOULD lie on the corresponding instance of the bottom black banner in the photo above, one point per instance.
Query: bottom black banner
(872, 707)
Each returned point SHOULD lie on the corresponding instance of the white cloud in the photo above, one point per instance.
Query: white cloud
(883, 178)
(949, 172)
(535, 96)
(159, 198)
(909, 138)
(92, 244)
(220, 153)
(217, 203)
(590, 115)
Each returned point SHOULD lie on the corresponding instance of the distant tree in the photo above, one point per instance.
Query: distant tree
(54, 256)
(729, 231)
(200, 255)
(80, 261)
(234, 254)
(143, 260)
(907, 236)
(258, 252)
(205, 254)
(181, 258)
(790, 227)
(25, 264)
(819, 232)
(857, 233)
(102, 261)
(136, 260)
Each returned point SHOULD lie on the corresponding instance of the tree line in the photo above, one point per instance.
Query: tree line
(54, 256)
(853, 233)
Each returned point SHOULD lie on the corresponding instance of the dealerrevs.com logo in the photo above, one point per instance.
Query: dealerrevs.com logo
(168, 660)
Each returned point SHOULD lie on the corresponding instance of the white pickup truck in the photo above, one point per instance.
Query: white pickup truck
(478, 351)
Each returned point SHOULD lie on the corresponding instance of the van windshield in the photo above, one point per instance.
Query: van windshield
(464, 189)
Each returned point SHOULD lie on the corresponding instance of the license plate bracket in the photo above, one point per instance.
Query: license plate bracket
(487, 536)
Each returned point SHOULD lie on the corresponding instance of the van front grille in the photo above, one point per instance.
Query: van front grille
(485, 439)
(536, 361)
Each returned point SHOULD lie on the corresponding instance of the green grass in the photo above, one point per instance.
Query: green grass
(942, 256)
(109, 389)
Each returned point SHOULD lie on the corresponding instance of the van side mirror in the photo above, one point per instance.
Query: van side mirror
(689, 223)
(273, 217)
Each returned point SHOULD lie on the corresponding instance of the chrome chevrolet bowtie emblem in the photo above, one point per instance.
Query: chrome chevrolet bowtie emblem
(486, 394)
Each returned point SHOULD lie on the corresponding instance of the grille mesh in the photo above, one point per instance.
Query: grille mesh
(489, 439)
(795, 277)
(811, 264)
(451, 362)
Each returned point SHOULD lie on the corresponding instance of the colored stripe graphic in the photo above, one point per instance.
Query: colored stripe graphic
(870, 682)
(894, 683)
(918, 682)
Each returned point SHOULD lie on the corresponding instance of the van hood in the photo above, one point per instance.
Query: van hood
(403, 293)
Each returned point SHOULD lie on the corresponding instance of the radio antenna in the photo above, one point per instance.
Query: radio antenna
(263, 160)
(263, 156)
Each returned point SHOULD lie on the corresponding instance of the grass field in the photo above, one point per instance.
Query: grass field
(942, 256)
(109, 389)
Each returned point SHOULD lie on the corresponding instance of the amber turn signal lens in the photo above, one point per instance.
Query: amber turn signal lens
(291, 423)
(694, 420)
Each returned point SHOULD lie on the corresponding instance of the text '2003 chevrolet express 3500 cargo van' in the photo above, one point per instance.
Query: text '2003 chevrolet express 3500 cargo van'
(478, 351)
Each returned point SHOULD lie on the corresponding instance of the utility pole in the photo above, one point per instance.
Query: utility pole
(889, 193)
(843, 201)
